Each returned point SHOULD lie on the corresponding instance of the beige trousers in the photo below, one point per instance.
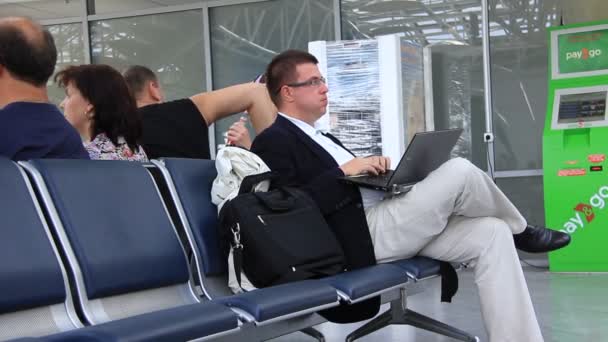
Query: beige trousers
(458, 214)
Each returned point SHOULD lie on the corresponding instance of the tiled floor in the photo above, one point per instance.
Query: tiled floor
(570, 308)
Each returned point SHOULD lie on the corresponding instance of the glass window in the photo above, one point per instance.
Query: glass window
(151, 41)
(70, 51)
(527, 195)
(518, 51)
(452, 37)
(109, 6)
(245, 37)
(41, 10)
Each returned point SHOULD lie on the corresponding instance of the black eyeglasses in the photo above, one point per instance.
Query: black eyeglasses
(315, 82)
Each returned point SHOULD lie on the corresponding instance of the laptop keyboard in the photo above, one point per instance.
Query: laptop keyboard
(381, 179)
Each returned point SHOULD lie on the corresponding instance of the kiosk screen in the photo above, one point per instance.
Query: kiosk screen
(582, 107)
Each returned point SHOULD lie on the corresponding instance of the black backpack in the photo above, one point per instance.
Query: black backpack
(278, 236)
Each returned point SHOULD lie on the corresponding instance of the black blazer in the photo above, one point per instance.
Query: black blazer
(301, 162)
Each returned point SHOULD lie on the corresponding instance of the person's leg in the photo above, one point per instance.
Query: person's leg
(486, 244)
(468, 191)
(402, 225)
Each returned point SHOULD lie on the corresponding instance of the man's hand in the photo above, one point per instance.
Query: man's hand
(373, 165)
(238, 134)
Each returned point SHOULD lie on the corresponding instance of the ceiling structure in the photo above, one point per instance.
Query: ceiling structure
(425, 21)
(433, 21)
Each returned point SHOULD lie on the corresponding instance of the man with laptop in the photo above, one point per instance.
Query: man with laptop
(453, 213)
(425, 153)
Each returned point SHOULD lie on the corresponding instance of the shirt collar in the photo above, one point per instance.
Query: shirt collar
(305, 127)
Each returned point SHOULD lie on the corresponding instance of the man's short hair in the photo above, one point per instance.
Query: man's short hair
(29, 59)
(282, 70)
(137, 76)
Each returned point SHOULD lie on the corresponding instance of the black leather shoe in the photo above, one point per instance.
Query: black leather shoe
(536, 239)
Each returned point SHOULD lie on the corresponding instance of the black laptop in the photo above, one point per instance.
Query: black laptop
(425, 153)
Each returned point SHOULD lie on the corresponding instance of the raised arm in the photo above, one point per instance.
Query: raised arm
(250, 97)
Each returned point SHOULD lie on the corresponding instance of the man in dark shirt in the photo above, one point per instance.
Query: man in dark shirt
(31, 127)
(180, 128)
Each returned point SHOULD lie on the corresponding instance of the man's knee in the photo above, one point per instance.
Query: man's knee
(459, 164)
(457, 170)
(500, 228)
(490, 232)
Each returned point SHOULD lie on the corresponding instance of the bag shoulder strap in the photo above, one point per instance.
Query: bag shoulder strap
(449, 281)
(237, 253)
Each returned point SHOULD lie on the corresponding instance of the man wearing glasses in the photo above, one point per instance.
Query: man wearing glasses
(456, 214)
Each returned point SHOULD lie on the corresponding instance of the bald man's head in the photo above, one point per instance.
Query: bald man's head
(27, 50)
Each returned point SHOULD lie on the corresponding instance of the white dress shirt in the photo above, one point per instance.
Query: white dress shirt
(341, 156)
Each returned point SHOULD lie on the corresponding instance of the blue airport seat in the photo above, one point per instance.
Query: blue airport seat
(190, 182)
(176, 324)
(33, 283)
(129, 268)
(195, 320)
(24, 244)
(34, 286)
(283, 300)
(112, 215)
(418, 267)
(367, 282)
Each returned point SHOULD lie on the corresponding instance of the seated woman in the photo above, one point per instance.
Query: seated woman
(99, 105)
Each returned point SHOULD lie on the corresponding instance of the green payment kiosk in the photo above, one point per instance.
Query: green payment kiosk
(575, 146)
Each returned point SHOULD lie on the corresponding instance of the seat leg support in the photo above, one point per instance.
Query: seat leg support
(314, 333)
(398, 313)
(383, 320)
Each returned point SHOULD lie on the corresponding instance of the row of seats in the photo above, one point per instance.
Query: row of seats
(91, 251)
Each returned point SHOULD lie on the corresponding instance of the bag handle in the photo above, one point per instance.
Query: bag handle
(249, 182)
(287, 202)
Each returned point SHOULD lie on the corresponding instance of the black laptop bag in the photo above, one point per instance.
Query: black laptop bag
(278, 236)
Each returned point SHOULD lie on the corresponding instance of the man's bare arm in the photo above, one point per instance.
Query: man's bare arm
(250, 97)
